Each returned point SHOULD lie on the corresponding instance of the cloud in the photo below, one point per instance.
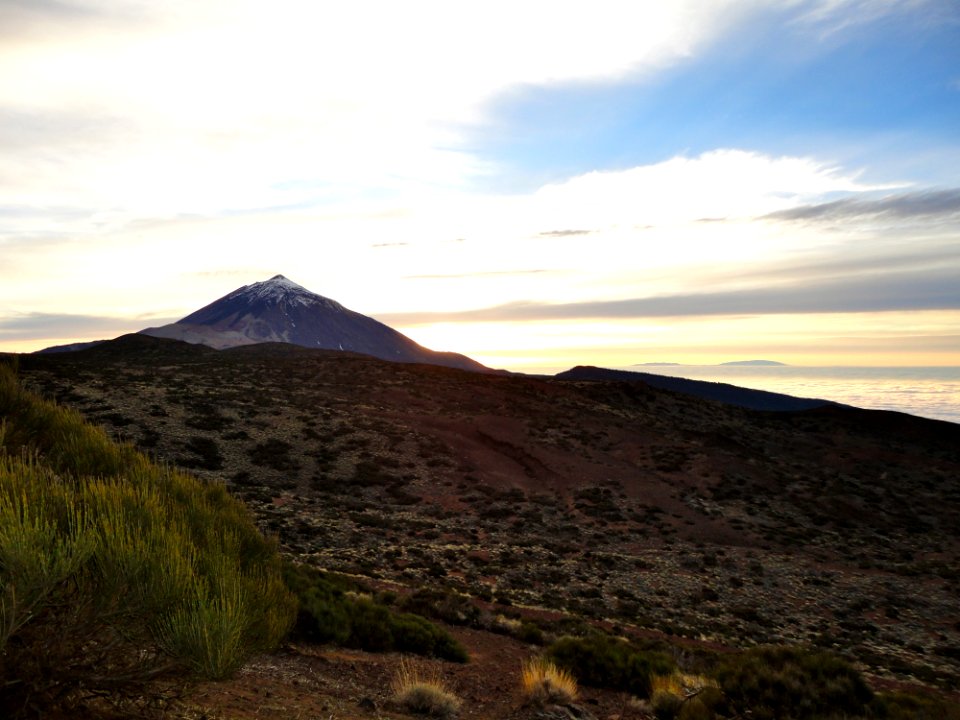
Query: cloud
(917, 260)
(564, 233)
(721, 183)
(228, 272)
(924, 343)
(828, 18)
(471, 275)
(22, 19)
(925, 204)
(121, 96)
(29, 326)
(936, 290)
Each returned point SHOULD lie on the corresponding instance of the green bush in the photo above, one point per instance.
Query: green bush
(908, 706)
(331, 612)
(530, 632)
(788, 682)
(446, 605)
(414, 634)
(115, 572)
(605, 662)
(666, 705)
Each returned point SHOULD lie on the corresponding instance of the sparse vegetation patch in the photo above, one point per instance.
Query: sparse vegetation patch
(330, 612)
(601, 661)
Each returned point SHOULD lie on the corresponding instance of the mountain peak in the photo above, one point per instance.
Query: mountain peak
(282, 280)
(280, 310)
(279, 289)
(277, 281)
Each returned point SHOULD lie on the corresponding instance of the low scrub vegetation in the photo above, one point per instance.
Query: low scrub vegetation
(116, 573)
(685, 696)
(331, 612)
(789, 682)
(605, 662)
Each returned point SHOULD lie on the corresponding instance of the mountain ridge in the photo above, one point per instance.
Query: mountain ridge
(719, 392)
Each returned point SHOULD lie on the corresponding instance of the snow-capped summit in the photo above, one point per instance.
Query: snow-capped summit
(277, 291)
(280, 310)
(277, 286)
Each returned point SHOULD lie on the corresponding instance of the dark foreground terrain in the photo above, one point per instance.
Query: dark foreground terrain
(657, 513)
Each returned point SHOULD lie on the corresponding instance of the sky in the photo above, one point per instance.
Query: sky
(534, 184)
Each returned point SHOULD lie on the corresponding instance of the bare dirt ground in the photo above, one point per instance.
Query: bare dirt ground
(304, 682)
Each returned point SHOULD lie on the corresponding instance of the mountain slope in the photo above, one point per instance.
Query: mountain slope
(279, 310)
(720, 392)
(653, 509)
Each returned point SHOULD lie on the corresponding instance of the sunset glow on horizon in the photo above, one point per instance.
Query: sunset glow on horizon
(535, 185)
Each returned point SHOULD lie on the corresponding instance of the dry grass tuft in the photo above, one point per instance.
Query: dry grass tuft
(544, 683)
(423, 692)
(681, 684)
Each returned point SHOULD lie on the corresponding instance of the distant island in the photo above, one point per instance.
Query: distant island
(756, 362)
(763, 363)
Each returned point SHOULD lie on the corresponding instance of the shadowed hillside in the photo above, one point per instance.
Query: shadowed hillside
(721, 392)
(651, 509)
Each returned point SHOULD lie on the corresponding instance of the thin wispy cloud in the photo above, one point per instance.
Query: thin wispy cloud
(564, 233)
(51, 325)
(925, 204)
(879, 293)
(945, 258)
(492, 273)
(831, 17)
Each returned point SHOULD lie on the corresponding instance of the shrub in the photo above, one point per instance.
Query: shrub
(447, 605)
(274, 454)
(415, 634)
(790, 682)
(115, 572)
(666, 705)
(696, 709)
(206, 454)
(683, 695)
(543, 683)
(530, 632)
(605, 662)
(423, 692)
(908, 706)
(330, 612)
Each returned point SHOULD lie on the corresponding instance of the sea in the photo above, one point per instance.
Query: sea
(930, 392)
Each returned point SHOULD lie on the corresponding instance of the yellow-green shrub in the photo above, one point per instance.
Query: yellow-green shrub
(115, 572)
